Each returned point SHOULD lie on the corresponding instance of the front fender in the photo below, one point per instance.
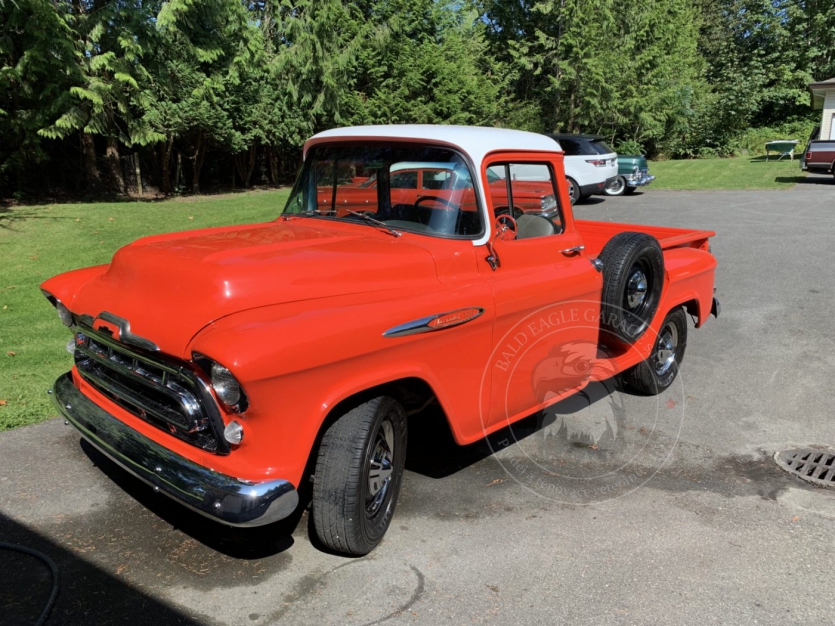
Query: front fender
(297, 361)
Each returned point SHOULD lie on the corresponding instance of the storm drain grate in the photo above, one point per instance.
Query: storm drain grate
(814, 466)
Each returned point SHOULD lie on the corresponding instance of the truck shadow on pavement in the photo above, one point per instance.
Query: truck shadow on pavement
(87, 594)
(239, 543)
(433, 453)
(811, 179)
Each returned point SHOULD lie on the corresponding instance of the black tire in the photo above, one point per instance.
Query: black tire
(658, 372)
(633, 277)
(574, 194)
(617, 187)
(348, 515)
(629, 190)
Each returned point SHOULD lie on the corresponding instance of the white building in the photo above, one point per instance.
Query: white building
(823, 97)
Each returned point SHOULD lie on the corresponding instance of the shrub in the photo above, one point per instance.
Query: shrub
(630, 147)
(754, 139)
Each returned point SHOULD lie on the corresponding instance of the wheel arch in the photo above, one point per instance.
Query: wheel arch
(693, 306)
(414, 392)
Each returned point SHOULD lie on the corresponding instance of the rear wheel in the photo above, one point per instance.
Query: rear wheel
(658, 372)
(358, 475)
(573, 190)
(617, 187)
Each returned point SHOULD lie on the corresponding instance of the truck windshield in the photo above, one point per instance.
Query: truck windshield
(410, 187)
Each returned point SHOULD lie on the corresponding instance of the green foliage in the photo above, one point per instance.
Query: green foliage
(753, 140)
(629, 71)
(429, 63)
(629, 146)
(39, 66)
(246, 83)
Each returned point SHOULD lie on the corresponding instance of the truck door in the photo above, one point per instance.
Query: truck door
(546, 291)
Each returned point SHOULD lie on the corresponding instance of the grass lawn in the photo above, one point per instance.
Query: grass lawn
(37, 242)
(738, 173)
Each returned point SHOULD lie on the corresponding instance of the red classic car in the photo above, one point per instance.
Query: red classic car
(437, 183)
(228, 367)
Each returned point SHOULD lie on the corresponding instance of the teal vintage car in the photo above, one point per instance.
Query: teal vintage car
(633, 172)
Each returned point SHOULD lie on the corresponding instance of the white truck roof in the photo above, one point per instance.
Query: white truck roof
(474, 141)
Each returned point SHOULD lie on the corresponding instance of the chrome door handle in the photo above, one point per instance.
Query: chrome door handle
(573, 250)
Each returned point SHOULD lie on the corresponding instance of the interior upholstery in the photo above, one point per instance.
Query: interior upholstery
(533, 226)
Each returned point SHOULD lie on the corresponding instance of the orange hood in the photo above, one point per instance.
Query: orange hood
(171, 286)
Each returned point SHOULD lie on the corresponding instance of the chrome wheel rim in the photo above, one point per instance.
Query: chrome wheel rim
(380, 467)
(636, 289)
(572, 192)
(665, 351)
(616, 186)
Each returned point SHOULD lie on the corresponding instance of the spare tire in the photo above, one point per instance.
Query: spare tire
(633, 277)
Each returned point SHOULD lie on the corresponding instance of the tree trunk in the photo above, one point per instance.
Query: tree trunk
(138, 171)
(272, 161)
(245, 162)
(114, 165)
(167, 147)
(197, 164)
(92, 179)
(178, 176)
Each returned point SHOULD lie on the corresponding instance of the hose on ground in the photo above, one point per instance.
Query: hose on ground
(52, 567)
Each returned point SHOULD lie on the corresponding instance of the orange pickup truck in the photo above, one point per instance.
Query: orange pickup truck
(228, 367)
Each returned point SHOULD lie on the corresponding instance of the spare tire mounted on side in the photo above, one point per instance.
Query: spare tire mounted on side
(633, 277)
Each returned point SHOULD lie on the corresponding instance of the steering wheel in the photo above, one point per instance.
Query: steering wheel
(505, 227)
(517, 212)
(450, 205)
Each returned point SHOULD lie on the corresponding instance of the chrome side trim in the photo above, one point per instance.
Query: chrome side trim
(223, 498)
(422, 325)
(125, 335)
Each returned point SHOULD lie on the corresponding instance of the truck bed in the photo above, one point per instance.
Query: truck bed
(597, 234)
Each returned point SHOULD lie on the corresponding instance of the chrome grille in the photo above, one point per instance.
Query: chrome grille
(163, 393)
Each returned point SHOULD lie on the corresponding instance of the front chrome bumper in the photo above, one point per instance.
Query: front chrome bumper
(228, 500)
(639, 180)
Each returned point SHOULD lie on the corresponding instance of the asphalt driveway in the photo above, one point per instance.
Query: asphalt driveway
(702, 528)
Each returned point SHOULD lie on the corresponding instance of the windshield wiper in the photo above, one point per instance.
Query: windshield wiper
(376, 222)
(289, 216)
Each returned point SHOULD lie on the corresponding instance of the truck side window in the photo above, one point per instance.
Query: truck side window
(528, 192)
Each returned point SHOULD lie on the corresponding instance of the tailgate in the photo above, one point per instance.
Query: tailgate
(597, 234)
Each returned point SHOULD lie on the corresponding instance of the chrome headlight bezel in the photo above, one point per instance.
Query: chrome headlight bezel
(64, 314)
(228, 390)
(548, 202)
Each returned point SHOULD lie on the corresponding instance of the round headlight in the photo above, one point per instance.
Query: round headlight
(64, 314)
(226, 387)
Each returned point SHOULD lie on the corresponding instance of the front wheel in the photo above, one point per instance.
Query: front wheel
(617, 187)
(658, 372)
(358, 475)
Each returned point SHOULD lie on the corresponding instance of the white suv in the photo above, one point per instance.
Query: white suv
(590, 165)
